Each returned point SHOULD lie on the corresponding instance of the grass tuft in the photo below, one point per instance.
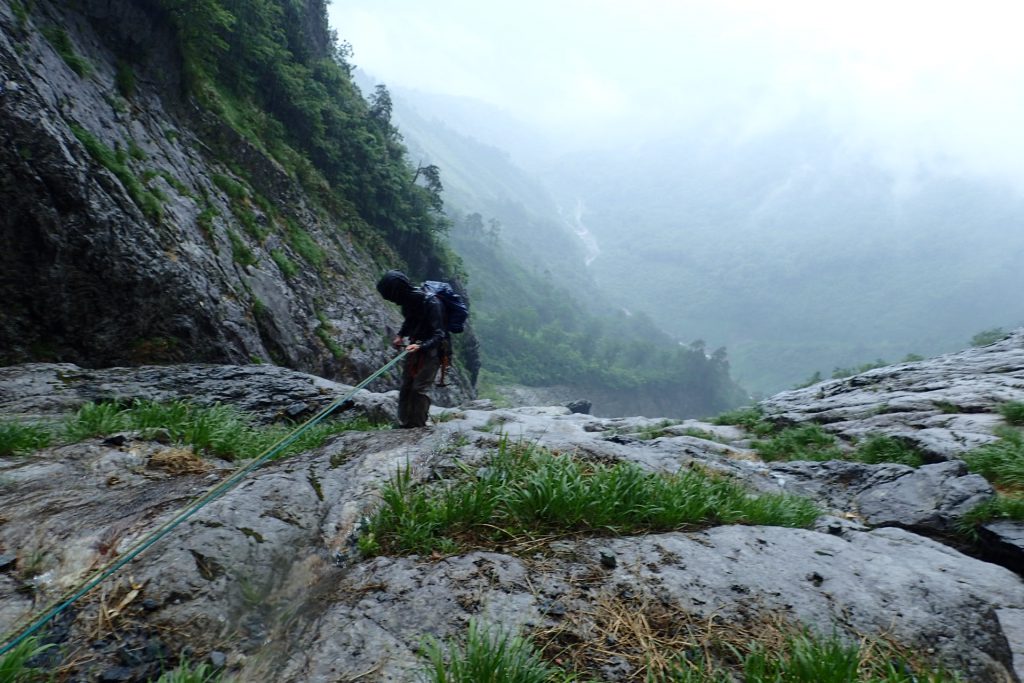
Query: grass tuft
(218, 430)
(1002, 462)
(60, 41)
(14, 665)
(488, 655)
(17, 438)
(1013, 412)
(881, 449)
(807, 442)
(660, 644)
(187, 672)
(524, 492)
(750, 419)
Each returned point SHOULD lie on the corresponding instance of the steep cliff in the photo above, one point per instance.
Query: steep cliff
(137, 225)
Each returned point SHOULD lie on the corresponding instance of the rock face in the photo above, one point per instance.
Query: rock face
(943, 406)
(267, 580)
(124, 239)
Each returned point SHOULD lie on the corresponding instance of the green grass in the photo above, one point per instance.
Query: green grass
(17, 438)
(700, 434)
(124, 80)
(807, 442)
(809, 659)
(116, 163)
(323, 331)
(525, 491)
(191, 673)
(1002, 507)
(285, 264)
(492, 656)
(60, 41)
(488, 656)
(750, 419)
(14, 667)
(1013, 412)
(1002, 462)
(881, 449)
(240, 251)
(305, 246)
(231, 187)
(217, 430)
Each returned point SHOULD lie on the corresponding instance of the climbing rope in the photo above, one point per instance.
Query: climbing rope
(217, 491)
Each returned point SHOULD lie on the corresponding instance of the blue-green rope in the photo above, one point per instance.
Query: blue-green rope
(185, 513)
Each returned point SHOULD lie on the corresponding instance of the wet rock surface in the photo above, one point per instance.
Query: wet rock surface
(944, 406)
(268, 581)
(136, 262)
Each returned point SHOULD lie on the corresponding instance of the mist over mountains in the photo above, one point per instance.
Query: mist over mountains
(798, 248)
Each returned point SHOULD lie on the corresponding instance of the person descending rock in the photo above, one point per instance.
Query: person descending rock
(424, 328)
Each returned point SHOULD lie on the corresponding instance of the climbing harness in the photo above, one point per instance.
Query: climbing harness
(10, 641)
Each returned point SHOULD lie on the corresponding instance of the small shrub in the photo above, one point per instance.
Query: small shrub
(124, 79)
(810, 381)
(879, 449)
(990, 336)
(1013, 412)
(20, 13)
(841, 373)
(807, 442)
(60, 41)
(205, 221)
(16, 438)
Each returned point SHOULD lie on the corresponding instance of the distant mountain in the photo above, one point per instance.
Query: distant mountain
(798, 252)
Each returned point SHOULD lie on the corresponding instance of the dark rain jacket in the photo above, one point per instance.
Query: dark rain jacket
(424, 320)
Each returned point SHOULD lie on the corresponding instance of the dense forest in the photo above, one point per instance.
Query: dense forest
(274, 71)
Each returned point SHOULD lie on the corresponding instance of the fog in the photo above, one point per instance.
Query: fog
(814, 185)
(935, 83)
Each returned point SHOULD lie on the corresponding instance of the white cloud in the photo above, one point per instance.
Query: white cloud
(916, 78)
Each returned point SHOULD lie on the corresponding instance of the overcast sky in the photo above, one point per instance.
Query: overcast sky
(932, 80)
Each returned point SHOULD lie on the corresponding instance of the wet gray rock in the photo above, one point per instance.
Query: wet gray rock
(268, 392)
(269, 575)
(932, 498)
(944, 406)
(1004, 543)
(579, 406)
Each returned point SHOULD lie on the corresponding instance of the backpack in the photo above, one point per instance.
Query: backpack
(456, 310)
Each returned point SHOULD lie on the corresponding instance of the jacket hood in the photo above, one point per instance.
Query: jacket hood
(395, 287)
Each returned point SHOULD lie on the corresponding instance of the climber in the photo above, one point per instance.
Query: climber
(424, 328)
